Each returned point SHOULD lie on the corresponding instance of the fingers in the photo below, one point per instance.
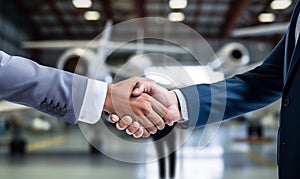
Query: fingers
(170, 118)
(114, 118)
(147, 124)
(137, 91)
(124, 123)
(139, 132)
(143, 85)
(147, 115)
(162, 112)
(156, 120)
(145, 133)
(150, 123)
(132, 128)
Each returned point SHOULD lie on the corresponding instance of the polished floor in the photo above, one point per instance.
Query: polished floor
(65, 154)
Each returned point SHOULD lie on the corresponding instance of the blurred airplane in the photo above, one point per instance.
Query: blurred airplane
(95, 52)
(24, 116)
(15, 119)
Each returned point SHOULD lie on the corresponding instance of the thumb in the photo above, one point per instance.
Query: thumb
(136, 92)
(138, 89)
(144, 85)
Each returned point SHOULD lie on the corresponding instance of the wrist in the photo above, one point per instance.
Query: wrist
(175, 101)
(182, 106)
(175, 106)
(108, 107)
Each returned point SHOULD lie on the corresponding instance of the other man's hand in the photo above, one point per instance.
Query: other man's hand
(167, 98)
(144, 110)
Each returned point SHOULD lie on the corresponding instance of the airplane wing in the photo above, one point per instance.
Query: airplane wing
(65, 44)
(268, 29)
(9, 107)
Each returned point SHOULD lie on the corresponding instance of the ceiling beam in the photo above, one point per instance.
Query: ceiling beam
(161, 11)
(59, 16)
(106, 9)
(35, 30)
(80, 36)
(197, 13)
(178, 35)
(139, 8)
(234, 14)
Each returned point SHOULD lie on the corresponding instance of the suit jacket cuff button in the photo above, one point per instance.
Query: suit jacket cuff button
(63, 111)
(44, 104)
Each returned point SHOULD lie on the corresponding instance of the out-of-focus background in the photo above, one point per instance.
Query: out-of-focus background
(55, 33)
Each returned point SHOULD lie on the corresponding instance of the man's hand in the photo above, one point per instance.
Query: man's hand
(143, 109)
(167, 98)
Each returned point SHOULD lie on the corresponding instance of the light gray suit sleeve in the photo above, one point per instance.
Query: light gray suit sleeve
(46, 89)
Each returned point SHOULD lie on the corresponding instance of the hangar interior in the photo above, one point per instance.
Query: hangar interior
(58, 34)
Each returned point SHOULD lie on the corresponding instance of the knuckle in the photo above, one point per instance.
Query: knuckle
(146, 97)
(147, 110)
(139, 132)
(153, 130)
(147, 124)
(160, 123)
(145, 135)
(132, 129)
(122, 124)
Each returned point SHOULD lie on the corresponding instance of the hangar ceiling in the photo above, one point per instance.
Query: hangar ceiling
(216, 19)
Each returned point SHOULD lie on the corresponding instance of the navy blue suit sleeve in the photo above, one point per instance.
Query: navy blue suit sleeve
(209, 103)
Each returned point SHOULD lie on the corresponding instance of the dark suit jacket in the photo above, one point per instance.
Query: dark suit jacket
(278, 76)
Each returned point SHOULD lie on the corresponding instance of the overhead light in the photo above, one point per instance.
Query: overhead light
(82, 3)
(92, 15)
(178, 4)
(266, 17)
(176, 16)
(280, 4)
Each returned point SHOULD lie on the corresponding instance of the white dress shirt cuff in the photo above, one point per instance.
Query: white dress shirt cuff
(93, 101)
(183, 106)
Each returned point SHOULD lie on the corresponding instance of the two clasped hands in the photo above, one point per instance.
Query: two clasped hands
(141, 106)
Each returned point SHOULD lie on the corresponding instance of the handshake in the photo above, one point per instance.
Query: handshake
(141, 106)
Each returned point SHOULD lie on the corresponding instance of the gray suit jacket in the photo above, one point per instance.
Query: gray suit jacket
(46, 89)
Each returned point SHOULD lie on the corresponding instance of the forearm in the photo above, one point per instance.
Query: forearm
(108, 104)
(43, 88)
(238, 95)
